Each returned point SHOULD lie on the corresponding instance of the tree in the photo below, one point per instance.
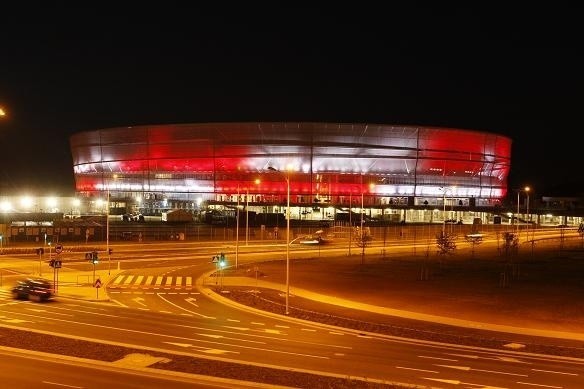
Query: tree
(445, 242)
(362, 238)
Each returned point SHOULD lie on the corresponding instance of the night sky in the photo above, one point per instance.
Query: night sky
(66, 69)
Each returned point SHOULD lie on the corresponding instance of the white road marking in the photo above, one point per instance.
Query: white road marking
(184, 309)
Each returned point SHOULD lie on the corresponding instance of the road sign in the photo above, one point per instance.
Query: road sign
(59, 248)
(97, 283)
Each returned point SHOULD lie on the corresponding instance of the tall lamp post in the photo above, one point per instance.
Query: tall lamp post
(444, 189)
(287, 177)
(107, 221)
(362, 204)
(237, 230)
(526, 190)
(107, 228)
(257, 181)
(527, 211)
(517, 218)
(350, 220)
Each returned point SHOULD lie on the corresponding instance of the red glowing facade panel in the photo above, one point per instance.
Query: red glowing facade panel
(318, 159)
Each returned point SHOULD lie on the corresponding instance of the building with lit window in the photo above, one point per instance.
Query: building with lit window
(391, 172)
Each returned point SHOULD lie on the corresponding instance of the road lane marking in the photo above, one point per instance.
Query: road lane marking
(60, 384)
(128, 280)
(118, 280)
(184, 309)
(539, 385)
(555, 372)
(158, 280)
(438, 358)
(178, 281)
(149, 280)
(468, 368)
(139, 280)
(422, 370)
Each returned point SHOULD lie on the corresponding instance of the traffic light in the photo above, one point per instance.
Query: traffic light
(52, 263)
(92, 257)
(110, 251)
(222, 260)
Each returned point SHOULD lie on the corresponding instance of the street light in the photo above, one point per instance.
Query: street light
(371, 186)
(444, 189)
(526, 190)
(287, 177)
(257, 181)
(350, 220)
(107, 226)
(107, 212)
(237, 230)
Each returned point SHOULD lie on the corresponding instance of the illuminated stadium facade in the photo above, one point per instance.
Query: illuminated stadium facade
(393, 172)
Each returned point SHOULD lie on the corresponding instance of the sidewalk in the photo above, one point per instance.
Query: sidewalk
(84, 285)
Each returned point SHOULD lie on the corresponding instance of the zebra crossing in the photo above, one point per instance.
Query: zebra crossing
(130, 281)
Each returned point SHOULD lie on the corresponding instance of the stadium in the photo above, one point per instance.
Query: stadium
(324, 171)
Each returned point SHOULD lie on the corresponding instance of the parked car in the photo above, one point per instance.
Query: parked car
(35, 289)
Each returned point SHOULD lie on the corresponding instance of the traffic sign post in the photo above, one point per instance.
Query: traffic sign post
(40, 251)
(109, 260)
(97, 285)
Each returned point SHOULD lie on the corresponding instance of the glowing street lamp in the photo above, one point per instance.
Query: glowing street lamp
(371, 186)
(237, 230)
(257, 181)
(287, 177)
(444, 190)
(526, 190)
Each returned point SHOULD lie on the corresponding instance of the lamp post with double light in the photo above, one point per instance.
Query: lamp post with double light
(444, 189)
(287, 178)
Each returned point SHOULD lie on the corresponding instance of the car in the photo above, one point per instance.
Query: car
(34, 289)
(313, 240)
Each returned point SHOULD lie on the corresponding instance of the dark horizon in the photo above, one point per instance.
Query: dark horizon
(516, 73)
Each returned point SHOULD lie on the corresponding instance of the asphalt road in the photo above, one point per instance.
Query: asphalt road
(187, 322)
